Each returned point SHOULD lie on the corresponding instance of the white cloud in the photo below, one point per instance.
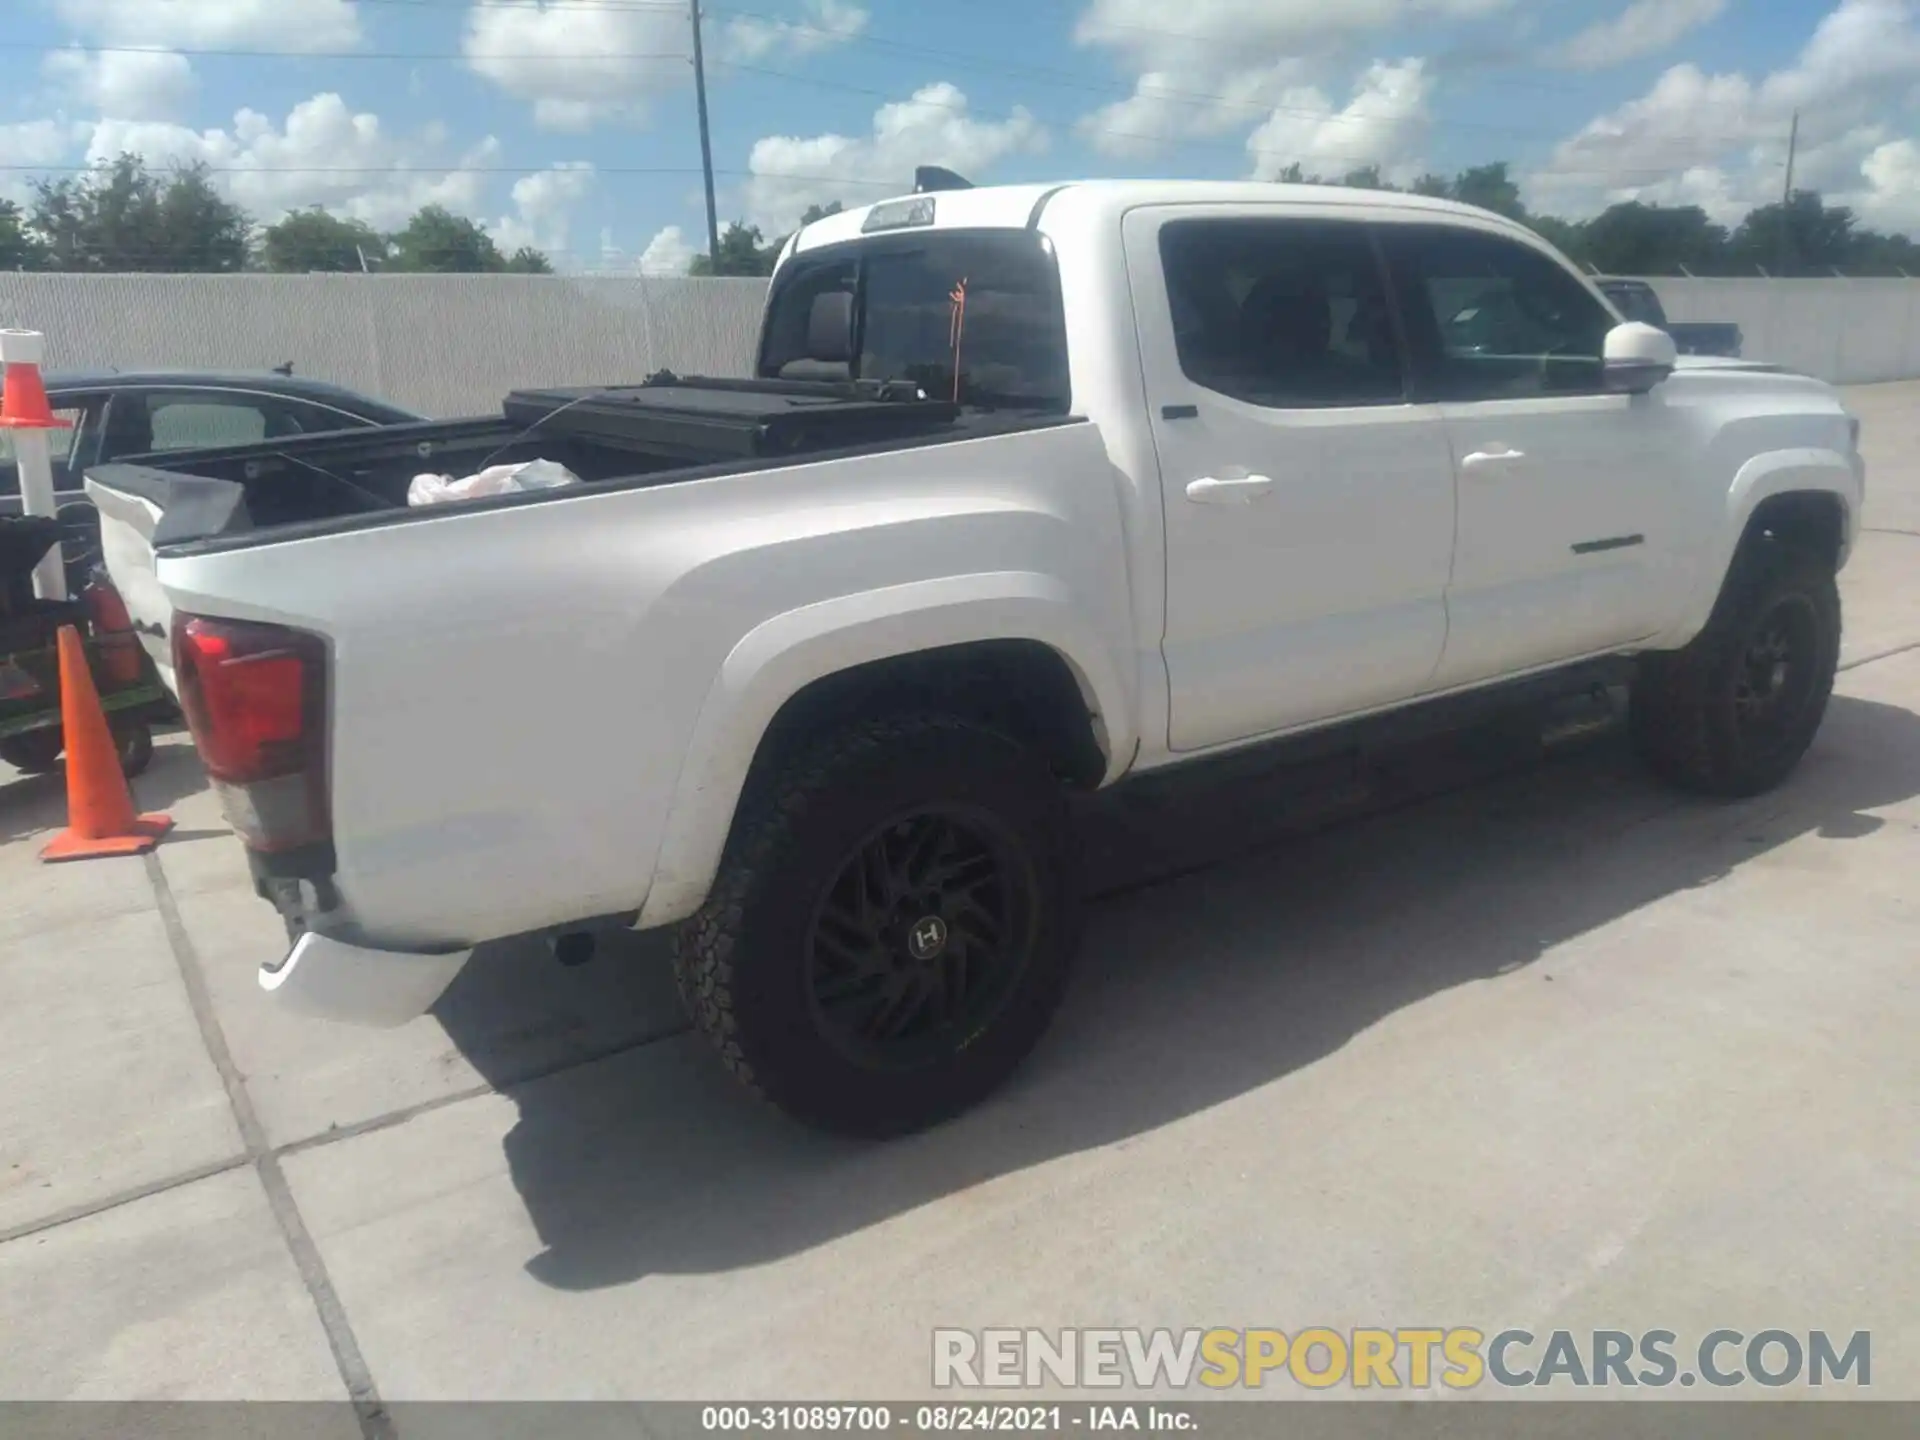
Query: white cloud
(579, 61)
(38, 142)
(1208, 67)
(1145, 28)
(1385, 124)
(668, 253)
(1892, 200)
(789, 173)
(323, 155)
(131, 84)
(304, 25)
(543, 206)
(1170, 105)
(1720, 141)
(584, 62)
(34, 143)
(824, 24)
(1645, 27)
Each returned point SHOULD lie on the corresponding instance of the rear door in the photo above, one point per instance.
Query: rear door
(1567, 493)
(1308, 504)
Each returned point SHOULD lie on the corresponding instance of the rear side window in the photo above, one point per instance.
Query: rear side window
(1290, 314)
(197, 424)
(145, 422)
(971, 316)
(1493, 319)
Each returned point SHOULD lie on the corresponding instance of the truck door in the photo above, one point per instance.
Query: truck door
(1308, 505)
(1566, 492)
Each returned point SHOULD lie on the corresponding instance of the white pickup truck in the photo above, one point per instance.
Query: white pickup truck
(1037, 490)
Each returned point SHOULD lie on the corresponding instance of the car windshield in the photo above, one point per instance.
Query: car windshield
(1636, 302)
(972, 317)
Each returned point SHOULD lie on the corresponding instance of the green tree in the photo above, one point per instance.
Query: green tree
(313, 240)
(20, 248)
(1491, 188)
(120, 216)
(1569, 237)
(1367, 177)
(743, 251)
(1640, 239)
(200, 229)
(1806, 236)
(437, 241)
(528, 261)
(1877, 254)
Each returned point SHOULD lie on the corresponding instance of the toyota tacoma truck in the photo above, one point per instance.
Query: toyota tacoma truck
(1034, 491)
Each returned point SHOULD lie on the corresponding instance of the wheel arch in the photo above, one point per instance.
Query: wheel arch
(1805, 497)
(1011, 650)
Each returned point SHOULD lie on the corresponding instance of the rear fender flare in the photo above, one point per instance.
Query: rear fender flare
(785, 654)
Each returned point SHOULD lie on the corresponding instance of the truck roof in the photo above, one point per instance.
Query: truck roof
(995, 207)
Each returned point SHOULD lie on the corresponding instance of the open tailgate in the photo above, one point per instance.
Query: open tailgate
(142, 510)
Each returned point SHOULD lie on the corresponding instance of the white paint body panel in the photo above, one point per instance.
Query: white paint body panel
(329, 979)
(531, 698)
(1318, 595)
(545, 713)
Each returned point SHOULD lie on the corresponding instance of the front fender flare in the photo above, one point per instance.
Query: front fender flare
(783, 655)
(1777, 472)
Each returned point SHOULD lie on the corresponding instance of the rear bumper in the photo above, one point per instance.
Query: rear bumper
(332, 980)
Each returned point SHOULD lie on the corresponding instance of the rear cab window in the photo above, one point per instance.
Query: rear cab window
(971, 316)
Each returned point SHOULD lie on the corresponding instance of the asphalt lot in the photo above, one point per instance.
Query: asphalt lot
(1558, 1049)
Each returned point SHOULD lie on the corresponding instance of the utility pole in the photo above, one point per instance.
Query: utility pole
(1786, 200)
(706, 138)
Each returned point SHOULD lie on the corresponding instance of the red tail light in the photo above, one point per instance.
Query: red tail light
(255, 699)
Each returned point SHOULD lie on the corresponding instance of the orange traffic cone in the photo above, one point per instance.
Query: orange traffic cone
(100, 815)
(23, 398)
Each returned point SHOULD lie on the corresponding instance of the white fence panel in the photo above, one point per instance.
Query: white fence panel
(455, 344)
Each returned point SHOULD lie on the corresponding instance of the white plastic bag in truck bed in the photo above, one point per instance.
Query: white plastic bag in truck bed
(494, 480)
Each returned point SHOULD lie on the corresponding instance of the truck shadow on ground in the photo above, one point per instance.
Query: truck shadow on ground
(1191, 991)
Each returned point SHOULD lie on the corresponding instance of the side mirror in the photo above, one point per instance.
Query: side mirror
(1637, 358)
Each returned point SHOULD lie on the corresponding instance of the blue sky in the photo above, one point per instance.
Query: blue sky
(569, 124)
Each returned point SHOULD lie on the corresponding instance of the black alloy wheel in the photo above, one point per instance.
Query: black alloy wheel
(920, 938)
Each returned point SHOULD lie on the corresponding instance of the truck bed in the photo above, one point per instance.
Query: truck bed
(665, 432)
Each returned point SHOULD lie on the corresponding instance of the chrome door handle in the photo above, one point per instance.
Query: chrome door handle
(1208, 491)
(1497, 455)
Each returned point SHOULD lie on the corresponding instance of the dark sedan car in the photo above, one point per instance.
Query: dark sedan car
(137, 412)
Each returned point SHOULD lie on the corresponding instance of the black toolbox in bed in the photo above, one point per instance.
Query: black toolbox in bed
(704, 419)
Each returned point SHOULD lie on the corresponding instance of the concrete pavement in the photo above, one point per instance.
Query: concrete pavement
(1561, 1051)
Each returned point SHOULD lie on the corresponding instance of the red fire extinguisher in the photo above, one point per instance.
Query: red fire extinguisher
(117, 645)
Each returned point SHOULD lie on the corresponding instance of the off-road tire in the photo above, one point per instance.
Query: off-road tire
(743, 961)
(1683, 716)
